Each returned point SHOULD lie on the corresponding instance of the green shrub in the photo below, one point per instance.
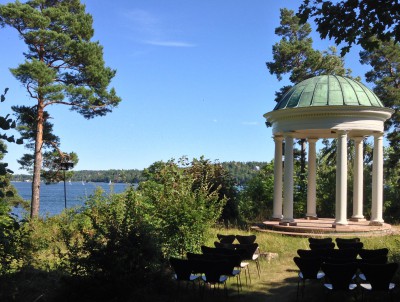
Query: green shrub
(182, 207)
(111, 238)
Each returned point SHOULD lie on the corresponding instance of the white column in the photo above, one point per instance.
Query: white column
(277, 206)
(377, 181)
(358, 180)
(288, 181)
(311, 179)
(341, 179)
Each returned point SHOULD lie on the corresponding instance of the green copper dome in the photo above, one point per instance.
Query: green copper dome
(328, 90)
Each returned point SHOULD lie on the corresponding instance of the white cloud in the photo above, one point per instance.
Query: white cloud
(150, 29)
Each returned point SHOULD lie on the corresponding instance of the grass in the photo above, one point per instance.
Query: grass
(278, 281)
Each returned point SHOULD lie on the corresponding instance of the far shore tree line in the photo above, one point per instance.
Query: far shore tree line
(241, 172)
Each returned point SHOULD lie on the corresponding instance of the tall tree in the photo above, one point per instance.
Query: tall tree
(385, 61)
(53, 156)
(354, 22)
(375, 25)
(294, 55)
(62, 66)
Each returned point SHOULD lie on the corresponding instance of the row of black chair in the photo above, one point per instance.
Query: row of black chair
(342, 243)
(250, 252)
(340, 267)
(242, 239)
(347, 255)
(211, 271)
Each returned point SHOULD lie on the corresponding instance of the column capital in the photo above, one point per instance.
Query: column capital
(289, 134)
(278, 138)
(312, 139)
(358, 139)
(378, 134)
(342, 132)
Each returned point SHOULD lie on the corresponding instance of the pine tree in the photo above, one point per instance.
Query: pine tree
(62, 65)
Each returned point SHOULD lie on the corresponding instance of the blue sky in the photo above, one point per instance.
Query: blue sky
(191, 75)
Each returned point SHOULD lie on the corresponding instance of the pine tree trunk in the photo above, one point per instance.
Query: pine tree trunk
(35, 202)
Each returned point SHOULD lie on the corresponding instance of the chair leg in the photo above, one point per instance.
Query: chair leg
(258, 268)
(298, 287)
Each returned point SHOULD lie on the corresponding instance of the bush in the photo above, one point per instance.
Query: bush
(182, 207)
(111, 238)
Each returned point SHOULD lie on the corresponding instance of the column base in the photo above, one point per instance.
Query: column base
(376, 223)
(287, 223)
(357, 219)
(276, 218)
(311, 217)
(339, 224)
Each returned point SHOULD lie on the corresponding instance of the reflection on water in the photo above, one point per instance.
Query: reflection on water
(52, 196)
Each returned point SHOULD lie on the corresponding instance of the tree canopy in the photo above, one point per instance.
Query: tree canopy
(355, 21)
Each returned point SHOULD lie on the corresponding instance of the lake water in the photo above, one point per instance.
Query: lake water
(52, 196)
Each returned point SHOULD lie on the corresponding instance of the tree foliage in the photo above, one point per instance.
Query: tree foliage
(256, 197)
(354, 22)
(385, 74)
(53, 156)
(62, 65)
(184, 207)
(294, 55)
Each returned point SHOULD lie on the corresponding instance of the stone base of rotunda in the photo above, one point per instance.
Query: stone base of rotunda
(288, 223)
(355, 219)
(311, 217)
(376, 223)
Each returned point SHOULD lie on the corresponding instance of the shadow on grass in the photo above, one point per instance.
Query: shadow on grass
(39, 286)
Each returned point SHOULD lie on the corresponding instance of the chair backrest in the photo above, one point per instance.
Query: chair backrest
(319, 240)
(339, 275)
(375, 260)
(207, 249)
(182, 268)
(350, 245)
(328, 245)
(308, 253)
(229, 246)
(197, 260)
(379, 275)
(373, 253)
(213, 269)
(349, 253)
(226, 238)
(356, 239)
(309, 267)
(247, 250)
(246, 239)
(233, 261)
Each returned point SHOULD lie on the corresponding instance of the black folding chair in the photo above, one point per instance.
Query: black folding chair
(378, 278)
(310, 269)
(340, 277)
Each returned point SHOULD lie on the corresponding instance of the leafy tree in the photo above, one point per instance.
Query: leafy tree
(182, 207)
(112, 237)
(52, 155)
(255, 200)
(62, 65)
(221, 181)
(385, 61)
(10, 231)
(354, 22)
(294, 55)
